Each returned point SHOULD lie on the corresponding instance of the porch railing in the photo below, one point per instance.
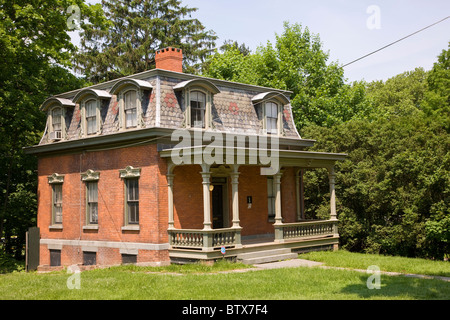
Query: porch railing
(204, 239)
(299, 230)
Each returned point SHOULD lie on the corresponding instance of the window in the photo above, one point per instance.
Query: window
(198, 108)
(270, 198)
(130, 109)
(129, 258)
(91, 116)
(271, 118)
(57, 204)
(132, 200)
(55, 258)
(92, 202)
(89, 258)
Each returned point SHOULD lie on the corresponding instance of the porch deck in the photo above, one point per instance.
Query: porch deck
(203, 245)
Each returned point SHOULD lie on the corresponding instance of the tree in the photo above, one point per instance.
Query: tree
(126, 44)
(297, 62)
(35, 52)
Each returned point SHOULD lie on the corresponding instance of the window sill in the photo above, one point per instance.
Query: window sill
(90, 227)
(131, 228)
(55, 227)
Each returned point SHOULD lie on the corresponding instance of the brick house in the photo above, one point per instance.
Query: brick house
(164, 166)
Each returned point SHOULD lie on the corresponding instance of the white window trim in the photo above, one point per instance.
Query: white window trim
(279, 118)
(84, 128)
(208, 106)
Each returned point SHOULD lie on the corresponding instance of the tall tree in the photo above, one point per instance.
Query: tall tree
(296, 62)
(35, 48)
(136, 29)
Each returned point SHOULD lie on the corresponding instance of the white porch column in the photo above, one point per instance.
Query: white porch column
(170, 177)
(206, 175)
(235, 195)
(277, 185)
(331, 178)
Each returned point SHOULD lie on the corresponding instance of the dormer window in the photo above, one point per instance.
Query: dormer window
(269, 107)
(198, 108)
(130, 95)
(91, 116)
(198, 102)
(130, 106)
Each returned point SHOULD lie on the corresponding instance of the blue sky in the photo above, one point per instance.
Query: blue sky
(342, 28)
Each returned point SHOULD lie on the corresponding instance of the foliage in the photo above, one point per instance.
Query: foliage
(34, 51)
(393, 189)
(297, 63)
(126, 42)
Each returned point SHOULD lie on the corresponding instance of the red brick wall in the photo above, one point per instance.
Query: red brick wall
(152, 201)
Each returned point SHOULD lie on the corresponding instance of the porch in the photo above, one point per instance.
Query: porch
(243, 206)
(194, 244)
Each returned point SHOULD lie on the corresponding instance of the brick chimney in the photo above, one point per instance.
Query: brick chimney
(170, 59)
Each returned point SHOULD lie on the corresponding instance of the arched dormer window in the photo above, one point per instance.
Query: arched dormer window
(198, 96)
(269, 107)
(90, 103)
(130, 94)
(56, 109)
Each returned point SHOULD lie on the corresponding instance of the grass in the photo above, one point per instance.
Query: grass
(353, 260)
(200, 282)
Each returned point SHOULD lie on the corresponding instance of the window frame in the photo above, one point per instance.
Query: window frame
(128, 174)
(135, 108)
(201, 109)
(91, 203)
(132, 203)
(57, 206)
(267, 116)
(91, 102)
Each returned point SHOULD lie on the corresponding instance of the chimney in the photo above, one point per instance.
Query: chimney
(170, 59)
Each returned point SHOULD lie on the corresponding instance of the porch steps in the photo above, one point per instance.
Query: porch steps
(266, 256)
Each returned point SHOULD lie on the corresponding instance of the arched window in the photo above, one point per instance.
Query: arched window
(271, 109)
(57, 123)
(198, 108)
(130, 107)
(91, 116)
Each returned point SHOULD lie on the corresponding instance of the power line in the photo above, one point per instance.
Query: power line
(390, 44)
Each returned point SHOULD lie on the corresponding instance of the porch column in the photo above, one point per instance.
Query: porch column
(331, 178)
(170, 177)
(206, 175)
(277, 185)
(235, 202)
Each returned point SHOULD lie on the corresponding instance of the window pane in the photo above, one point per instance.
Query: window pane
(130, 100)
(133, 212)
(57, 203)
(93, 213)
(131, 118)
(198, 107)
(56, 119)
(132, 189)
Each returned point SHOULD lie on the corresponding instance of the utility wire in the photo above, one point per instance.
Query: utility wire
(390, 44)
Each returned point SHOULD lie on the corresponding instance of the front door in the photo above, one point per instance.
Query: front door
(217, 206)
(219, 203)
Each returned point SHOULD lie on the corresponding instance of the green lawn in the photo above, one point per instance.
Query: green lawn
(199, 282)
(352, 260)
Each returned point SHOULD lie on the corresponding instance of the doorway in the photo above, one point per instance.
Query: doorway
(219, 202)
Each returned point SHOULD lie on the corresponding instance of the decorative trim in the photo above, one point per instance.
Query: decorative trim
(55, 178)
(130, 172)
(90, 175)
(106, 244)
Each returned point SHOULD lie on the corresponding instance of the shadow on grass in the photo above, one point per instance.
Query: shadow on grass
(401, 287)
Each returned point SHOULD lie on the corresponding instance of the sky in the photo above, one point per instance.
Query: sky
(348, 29)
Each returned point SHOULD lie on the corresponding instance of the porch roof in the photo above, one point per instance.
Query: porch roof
(250, 156)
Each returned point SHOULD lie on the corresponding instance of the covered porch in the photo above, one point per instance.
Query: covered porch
(245, 207)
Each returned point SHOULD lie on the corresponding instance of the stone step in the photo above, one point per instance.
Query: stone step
(267, 259)
(262, 253)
